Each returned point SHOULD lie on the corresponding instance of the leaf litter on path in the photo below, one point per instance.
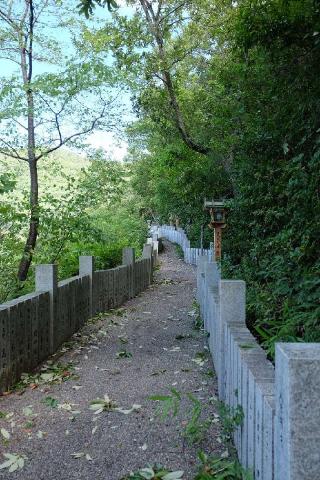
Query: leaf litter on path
(105, 404)
(14, 462)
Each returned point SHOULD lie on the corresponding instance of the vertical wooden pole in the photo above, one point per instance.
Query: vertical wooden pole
(217, 243)
(201, 240)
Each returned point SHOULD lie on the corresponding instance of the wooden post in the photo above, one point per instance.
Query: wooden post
(201, 239)
(217, 243)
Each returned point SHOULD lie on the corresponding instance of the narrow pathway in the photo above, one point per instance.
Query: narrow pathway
(51, 423)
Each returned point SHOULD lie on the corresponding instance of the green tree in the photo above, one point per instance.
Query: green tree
(159, 42)
(41, 112)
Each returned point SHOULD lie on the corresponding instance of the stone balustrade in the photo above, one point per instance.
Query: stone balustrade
(279, 437)
(34, 326)
(177, 235)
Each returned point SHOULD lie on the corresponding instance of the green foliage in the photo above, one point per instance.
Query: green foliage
(216, 468)
(154, 472)
(169, 404)
(50, 402)
(196, 428)
(124, 354)
(50, 374)
(246, 77)
(86, 7)
(249, 89)
(198, 323)
(83, 211)
(7, 183)
(179, 251)
(231, 418)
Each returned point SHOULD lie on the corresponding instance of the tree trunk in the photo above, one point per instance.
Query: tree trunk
(26, 52)
(31, 240)
(154, 26)
(178, 115)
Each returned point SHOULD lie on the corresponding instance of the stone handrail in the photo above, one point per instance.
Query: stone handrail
(279, 437)
(177, 235)
(34, 326)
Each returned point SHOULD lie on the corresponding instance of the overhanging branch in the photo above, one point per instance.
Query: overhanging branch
(63, 141)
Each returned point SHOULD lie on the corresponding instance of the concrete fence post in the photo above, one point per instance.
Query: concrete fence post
(297, 415)
(231, 309)
(212, 274)
(211, 300)
(212, 277)
(129, 258)
(156, 250)
(86, 267)
(202, 260)
(46, 280)
(147, 253)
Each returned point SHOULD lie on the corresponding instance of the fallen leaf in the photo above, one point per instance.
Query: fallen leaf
(6, 435)
(78, 455)
(99, 405)
(134, 408)
(27, 411)
(14, 462)
(173, 475)
(147, 473)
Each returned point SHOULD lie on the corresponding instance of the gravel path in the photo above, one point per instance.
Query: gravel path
(157, 327)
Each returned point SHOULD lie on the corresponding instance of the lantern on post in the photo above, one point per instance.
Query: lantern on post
(217, 212)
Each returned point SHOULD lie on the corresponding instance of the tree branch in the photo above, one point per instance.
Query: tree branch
(8, 20)
(74, 135)
(31, 23)
(15, 153)
(159, 9)
(178, 116)
(182, 4)
(20, 124)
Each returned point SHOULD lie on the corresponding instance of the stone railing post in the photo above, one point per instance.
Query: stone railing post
(155, 251)
(147, 253)
(297, 415)
(210, 295)
(86, 268)
(46, 280)
(202, 260)
(212, 275)
(129, 258)
(231, 309)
